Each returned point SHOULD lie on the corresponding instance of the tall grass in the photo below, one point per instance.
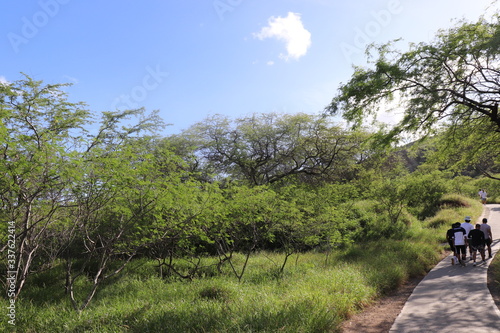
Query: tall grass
(453, 209)
(313, 296)
(494, 279)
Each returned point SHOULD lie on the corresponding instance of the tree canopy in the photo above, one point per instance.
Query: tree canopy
(450, 87)
(454, 79)
(268, 148)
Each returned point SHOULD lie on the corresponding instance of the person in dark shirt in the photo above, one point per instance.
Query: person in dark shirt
(449, 238)
(477, 242)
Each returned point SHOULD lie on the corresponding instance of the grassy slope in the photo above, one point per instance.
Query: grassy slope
(494, 279)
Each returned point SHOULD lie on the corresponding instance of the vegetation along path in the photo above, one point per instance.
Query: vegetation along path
(452, 298)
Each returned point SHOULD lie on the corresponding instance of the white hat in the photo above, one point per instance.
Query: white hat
(467, 218)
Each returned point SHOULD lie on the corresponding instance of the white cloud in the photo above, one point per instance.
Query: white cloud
(72, 79)
(291, 30)
(270, 63)
(3, 80)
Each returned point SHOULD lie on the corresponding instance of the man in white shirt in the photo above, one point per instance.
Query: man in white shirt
(468, 227)
(483, 195)
(460, 242)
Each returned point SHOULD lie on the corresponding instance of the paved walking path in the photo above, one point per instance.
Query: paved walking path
(454, 298)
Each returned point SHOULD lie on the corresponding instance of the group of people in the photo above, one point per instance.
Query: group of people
(483, 196)
(464, 235)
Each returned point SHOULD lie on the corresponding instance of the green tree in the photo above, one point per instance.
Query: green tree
(115, 199)
(451, 81)
(245, 225)
(470, 149)
(454, 77)
(37, 142)
(117, 208)
(269, 148)
(188, 212)
(56, 178)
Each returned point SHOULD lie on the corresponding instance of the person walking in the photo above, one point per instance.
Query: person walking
(483, 195)
(457, 235)
(476, 243)
(450, 238)
(486, 229)
(468, 227)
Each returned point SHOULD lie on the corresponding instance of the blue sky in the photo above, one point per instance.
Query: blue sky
(191, 59)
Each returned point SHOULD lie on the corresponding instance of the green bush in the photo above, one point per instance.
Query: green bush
(453, 209)
(376, 222)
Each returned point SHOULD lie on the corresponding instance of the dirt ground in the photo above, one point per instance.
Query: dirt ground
(379, 317)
